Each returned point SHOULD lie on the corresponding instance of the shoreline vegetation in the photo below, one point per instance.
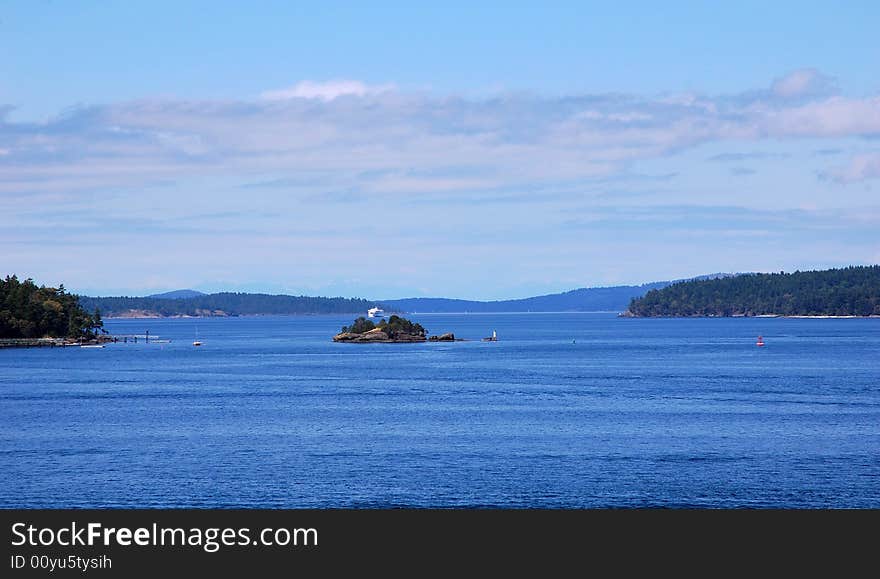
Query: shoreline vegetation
(32, 316)
(851, 292)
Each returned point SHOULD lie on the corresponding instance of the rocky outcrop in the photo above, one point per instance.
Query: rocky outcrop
(447, 337)
(346, 337)
(134, 314)
(377, 336)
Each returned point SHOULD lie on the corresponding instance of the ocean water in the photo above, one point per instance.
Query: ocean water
(564, 411)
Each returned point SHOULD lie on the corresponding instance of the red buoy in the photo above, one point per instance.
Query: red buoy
(760, 341)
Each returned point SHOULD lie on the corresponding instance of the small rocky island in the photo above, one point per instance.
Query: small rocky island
(394, 330)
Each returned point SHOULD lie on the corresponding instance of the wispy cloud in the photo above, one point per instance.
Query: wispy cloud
(349, 136)
(803, 83)
(326, 91)
(833, 117)
(365, 140)
(860, 168)
(749, 156)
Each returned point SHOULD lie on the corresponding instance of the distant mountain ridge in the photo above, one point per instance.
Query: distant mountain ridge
(181, 294)
(191, 303)
(594, 299)
(578, 300)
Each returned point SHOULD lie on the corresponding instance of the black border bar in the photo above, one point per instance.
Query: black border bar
(450, 539)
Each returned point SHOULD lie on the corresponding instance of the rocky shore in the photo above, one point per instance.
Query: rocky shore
(394, 330)
(53, 342)
(377, 336)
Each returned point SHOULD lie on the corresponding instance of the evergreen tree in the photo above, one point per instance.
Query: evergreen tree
(850, 291)
(29, 311)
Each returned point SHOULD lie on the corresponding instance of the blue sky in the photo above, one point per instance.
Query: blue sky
(392, 150)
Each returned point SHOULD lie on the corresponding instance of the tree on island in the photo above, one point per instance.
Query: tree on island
(397, 325)
(31, 311)
(394, 326)
(360, 326)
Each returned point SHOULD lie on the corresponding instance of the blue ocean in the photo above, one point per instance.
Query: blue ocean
(563, 411)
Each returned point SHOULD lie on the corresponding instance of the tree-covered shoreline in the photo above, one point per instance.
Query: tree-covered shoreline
(224, 304)
(28, 311)
(850, 291)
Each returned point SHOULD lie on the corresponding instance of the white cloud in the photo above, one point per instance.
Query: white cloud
(831, 117)
(397, 143)
(325, 91)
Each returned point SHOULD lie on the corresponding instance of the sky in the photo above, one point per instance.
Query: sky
(392, 149)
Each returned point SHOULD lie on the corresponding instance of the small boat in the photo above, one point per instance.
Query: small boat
(197, 343)
(375, 313)
(92, 346)
(760, 341)
(492, 338)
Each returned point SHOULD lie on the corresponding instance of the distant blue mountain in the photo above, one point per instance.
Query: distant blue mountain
(595, 299)
(177, 295)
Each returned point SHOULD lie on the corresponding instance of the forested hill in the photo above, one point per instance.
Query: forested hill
(224, 304)
(851, 291)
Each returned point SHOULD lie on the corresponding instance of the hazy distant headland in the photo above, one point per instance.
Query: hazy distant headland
(845, 292)
(196, 304)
